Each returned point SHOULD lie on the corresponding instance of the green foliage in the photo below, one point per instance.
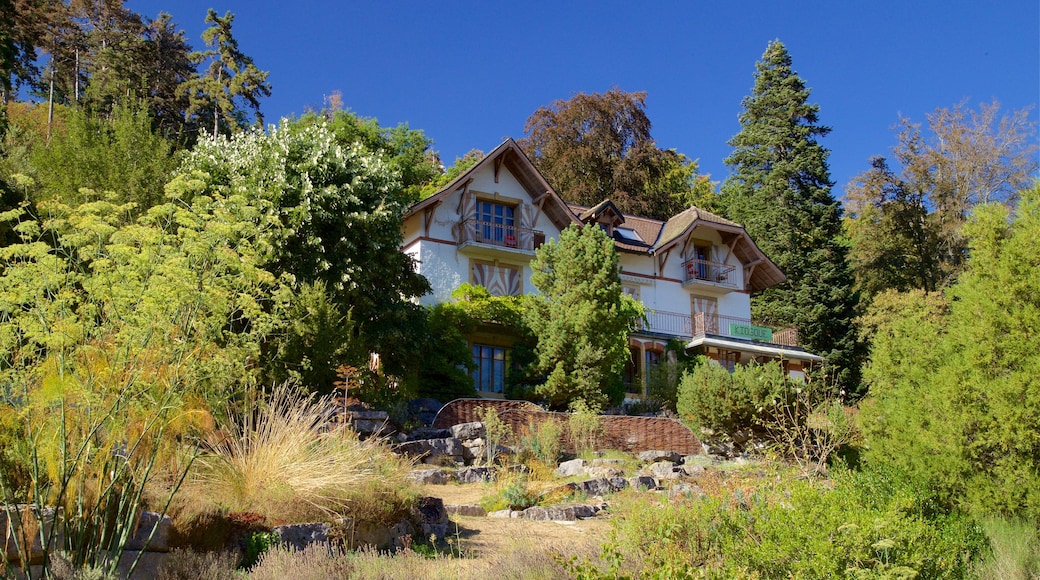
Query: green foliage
(712, 397)
(598, 146)
(447, 360)
(325, 213)
(256, 545)
(406, 150)
(543, 440)
(585, 427)
(953, 397)
(867, 526)
(495, 432)
(581, 319)
(894, 245)
(230, 78)
(116, 158)
(471, 158)
(318, 339)
(780, 190)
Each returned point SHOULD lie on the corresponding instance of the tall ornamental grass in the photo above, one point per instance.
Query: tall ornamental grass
(286, 460)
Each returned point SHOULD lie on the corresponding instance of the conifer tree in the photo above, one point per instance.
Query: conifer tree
(780, 190)
(581, 318)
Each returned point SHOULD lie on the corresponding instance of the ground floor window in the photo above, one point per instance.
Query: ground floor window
(490, 373)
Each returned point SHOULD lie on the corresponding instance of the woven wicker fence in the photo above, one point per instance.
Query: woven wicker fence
(632, 434)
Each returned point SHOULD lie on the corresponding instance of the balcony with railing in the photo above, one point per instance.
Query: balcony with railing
(501, 236)
(684, 326)
(706, 273)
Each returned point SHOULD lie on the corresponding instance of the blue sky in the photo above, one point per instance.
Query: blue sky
(470, 73)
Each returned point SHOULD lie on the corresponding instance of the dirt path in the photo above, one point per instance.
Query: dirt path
(491, 544)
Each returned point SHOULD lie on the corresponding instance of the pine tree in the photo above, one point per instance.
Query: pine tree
(780, 190)
(581, 318)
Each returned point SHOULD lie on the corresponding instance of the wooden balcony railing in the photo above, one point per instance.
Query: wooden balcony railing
(714, 273)
(495, 234)
(686, 326)
(742, 328)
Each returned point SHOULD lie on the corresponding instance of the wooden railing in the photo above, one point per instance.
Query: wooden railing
(742, 328)
(714, 273)
(495, 234)
(686, 326)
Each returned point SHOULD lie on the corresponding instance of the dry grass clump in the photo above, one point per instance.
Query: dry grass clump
(286, 461)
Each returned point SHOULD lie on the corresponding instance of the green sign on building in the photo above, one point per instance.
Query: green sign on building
(751, 332)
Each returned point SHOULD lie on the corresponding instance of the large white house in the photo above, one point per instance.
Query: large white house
(694, 273)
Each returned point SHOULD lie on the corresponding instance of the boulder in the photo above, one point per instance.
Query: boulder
(692, 469)
(571, 468)
(655, 456)
(466, 510)
(603, 462)
(642, 482)
(299, 536)
(431, 476)
(559, 513)
(665, 470)
(429, 433)
(507, 513)
(608, 472)
(602, 485)
(474, 430)
(434, 451)
(431, 517)
(475, 474)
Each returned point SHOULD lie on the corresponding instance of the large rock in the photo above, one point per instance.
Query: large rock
(431, 517)
(466, 510)
(665, 470)
(602, 485)
(474, 430)
(434, 451)
(431, 476)
(643, 482)
(475, 474)
(571, 468)
(607, 472)
(568, 513)
(428, 433)
(299, 536)
(654, 456)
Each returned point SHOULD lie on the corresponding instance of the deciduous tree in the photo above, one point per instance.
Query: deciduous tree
(581, 318)
(598, 146)
(329, 213)
(893, 243)
(780, 190)
(964, 158)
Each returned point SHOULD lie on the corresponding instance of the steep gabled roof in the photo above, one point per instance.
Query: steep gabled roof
(510, 156)
(764, 272)
(605, 207)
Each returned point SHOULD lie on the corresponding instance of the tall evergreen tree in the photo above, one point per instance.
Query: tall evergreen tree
(229, 79)
(780, 189)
